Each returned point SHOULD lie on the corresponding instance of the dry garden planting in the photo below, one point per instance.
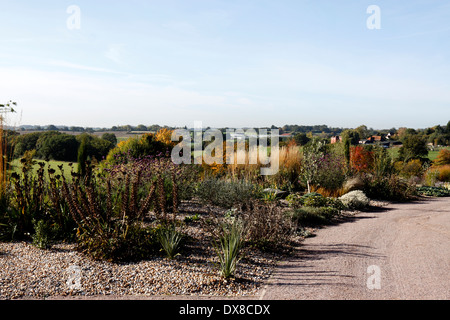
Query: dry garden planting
(123, 219)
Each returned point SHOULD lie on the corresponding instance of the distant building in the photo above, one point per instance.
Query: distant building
(373, 139)
(336, 139)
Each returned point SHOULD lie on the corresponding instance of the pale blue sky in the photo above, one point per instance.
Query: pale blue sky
(227, 63)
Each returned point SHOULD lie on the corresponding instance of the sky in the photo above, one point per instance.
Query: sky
(230, 63)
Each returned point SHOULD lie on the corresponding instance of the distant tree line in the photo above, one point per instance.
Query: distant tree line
(53, 143)
(56, 145)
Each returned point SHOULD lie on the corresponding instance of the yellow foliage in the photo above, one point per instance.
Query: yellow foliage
(165, 136)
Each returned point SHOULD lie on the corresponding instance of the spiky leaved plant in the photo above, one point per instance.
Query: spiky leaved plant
(229, 246)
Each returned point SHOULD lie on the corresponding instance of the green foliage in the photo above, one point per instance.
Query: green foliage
(228, 247)
(82, 156)
(433, 191)
(26, 142)
(414, 147)
(313, 216)
(352, 136)
(170, 239)
(193, 218)
(301, 139)
(111, 137)
(41, 236)
(53, 145)
(349, 138)
(389, 187)
(135, 148)
(313, 154)
(314, 199)
(225, 194)
(382, 164)
(95, 148)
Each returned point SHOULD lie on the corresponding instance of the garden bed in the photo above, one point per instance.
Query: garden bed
(27, 272)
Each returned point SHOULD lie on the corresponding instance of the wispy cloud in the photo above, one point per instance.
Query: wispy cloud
(69, 65)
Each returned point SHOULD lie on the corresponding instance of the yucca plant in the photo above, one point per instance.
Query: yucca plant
(170, 239)
(229, 247)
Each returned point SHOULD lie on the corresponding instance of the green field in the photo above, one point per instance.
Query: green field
(16, 166)
(432, 155)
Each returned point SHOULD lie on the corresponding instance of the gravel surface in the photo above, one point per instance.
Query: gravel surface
(401, 251)
(27, 272)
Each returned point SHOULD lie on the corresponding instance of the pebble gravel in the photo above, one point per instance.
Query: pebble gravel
(29, 272)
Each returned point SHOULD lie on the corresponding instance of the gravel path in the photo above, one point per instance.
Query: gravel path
(400, 252)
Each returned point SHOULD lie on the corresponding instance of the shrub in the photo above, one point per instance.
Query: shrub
(355, 200)
(135, 148)
(444, 173)
(433, 191)
(313, 216)
(332, 172)
(412, 168)
(361, 159)
(267, 225)
(443, 157)
(314, 199)
(389, 187)
(225, 194)
(431, 176)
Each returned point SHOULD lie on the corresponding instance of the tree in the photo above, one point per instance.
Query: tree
(52, 127)
(57, 146)
(313, 155)
(95, 148)
(349, 138)
(414, 147)
(82, 155)
(363, 132)
(301, 139)
(141, 127)
(111, 137)
(26, 142)
(351, 135)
